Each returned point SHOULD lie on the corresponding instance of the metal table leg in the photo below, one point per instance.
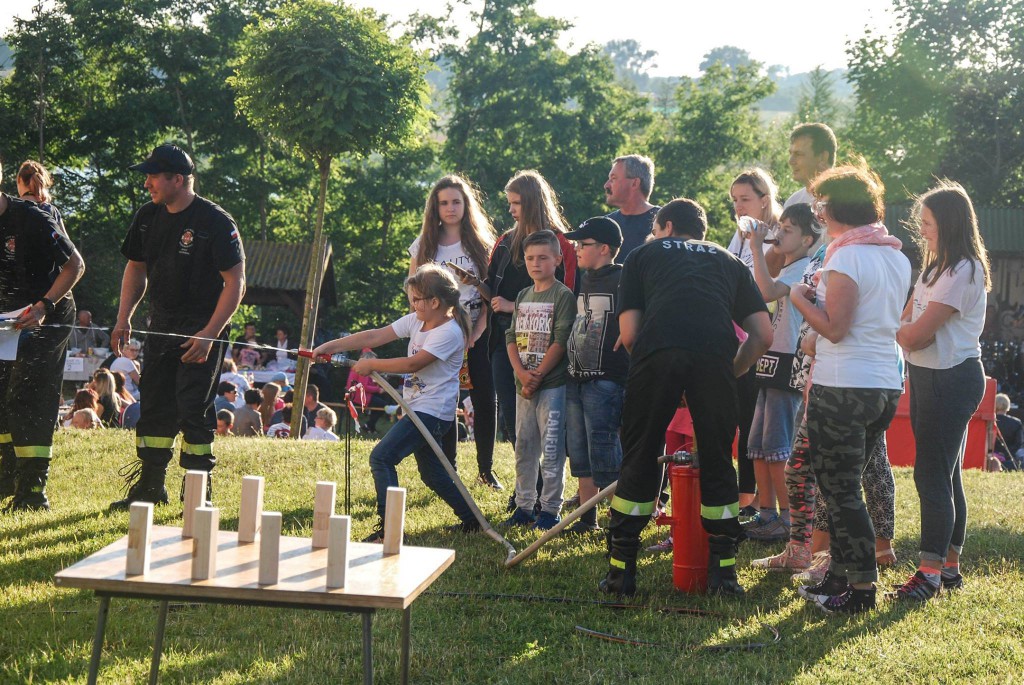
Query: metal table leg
(368, 648)
(97, 641)
(406, 615)
(158, 643)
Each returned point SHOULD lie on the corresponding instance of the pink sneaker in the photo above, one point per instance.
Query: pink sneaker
(795, 557)
(815, 573)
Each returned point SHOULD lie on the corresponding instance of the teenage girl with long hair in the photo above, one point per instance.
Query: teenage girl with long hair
(437, 330)
(534, 206)
(755, 195)
(105, 387)
(457, 233)
(941, 328)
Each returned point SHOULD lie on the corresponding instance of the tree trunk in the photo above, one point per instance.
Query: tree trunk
(313, 283)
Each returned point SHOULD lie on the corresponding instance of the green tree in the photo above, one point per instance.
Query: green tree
(518, 101)
(728, 56)
(817, 98)
(714, 128)
(942, 96)
(327, 80)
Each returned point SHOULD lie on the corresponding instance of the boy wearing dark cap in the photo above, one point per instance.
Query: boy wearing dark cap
(597, 370)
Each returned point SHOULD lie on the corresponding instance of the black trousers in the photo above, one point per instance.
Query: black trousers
(653, 389)
(175, 398)
(30, 386)
(746, 398)
(485, 409)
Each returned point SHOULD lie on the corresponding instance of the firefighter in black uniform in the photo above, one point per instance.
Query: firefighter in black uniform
(678, 298)
(39, 268)
(186, 251)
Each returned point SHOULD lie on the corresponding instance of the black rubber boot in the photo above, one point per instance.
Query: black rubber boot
(722, 566)
(8, 470)
(621, 577)
(143, 482)
(30, 489)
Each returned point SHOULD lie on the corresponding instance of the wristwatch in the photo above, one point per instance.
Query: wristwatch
(48, 305)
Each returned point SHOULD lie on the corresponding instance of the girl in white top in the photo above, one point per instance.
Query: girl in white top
(457, 233)
(941, 328)
(437, 331)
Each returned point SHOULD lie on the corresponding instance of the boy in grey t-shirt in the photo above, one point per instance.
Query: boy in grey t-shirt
(536, 341)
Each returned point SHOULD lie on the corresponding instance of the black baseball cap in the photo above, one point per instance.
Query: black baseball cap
(166, 158)
(599, 228)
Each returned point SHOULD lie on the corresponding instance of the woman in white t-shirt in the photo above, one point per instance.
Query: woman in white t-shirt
(128, 364)
(755, 195)
(437, 331)
(457, 233)
(863, 284)
(941, 328)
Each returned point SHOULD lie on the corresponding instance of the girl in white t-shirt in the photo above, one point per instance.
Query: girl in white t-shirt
(457, 233)
(941, 327)
(771, 433)
(437, 331)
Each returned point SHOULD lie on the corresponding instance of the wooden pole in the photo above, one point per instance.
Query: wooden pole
(337, 551)
(270, 547)
(394, 520)
(140, 536)
(251, 509)
(204, 546)
(323, 510)
(195, 493)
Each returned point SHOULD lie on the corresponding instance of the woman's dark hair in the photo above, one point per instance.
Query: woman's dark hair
(958, 237)
(856, 195)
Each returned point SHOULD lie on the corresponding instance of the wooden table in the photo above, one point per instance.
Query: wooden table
(374, 581)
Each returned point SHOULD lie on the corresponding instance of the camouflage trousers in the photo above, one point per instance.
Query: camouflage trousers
(844, 426)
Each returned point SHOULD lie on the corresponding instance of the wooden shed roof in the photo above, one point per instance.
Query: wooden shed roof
(276, 273)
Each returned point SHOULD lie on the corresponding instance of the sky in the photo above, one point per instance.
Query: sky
(680, 35)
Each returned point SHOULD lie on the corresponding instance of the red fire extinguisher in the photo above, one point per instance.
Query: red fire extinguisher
(689, 540)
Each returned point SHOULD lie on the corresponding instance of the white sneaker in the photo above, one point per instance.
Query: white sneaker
(816, 571)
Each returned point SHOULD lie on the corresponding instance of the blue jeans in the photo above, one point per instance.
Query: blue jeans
(593, 415)
(405, 439)
(771, 432)
(505, 389)
(540, 445)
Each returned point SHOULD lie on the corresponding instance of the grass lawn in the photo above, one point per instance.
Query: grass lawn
(974, 636)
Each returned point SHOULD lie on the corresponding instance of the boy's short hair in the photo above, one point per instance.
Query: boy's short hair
(328, 415)
(543, 237)
(253, 396)
(226, 416)
(226, 387)
(687, 217)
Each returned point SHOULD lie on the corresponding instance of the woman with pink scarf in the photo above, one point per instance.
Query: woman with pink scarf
(859, 297)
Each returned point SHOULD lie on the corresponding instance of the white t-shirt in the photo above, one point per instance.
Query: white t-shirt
(957, 339)
(740, 248)
(279, 430)
(801, 196)
(786, 319)
(126, 366)
(317, 433)
(469, 296)
(868, 356)
(434, 389)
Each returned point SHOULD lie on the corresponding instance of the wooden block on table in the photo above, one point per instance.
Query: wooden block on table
(251, 509)
(337, 550)
(195, 493)
(270, 547)
(323, 510)
(140, 535)
(394, 520)
(204, 545)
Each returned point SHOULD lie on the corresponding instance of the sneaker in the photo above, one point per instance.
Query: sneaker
(377, 536)
(572, 502)
(663, 546)
(469, 526)
(796, 557)
(746, 513)
(546, 521)
(581, 528)
(511, 505)
(816, 571)
(917, 588)
(490, 480)
(519, 517)
(768, 530)
(830, 585)
(851, 601)
(952, 582)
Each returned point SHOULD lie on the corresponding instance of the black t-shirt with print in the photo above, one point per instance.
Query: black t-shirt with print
(690, 292)
(184, 255)
(34, 249)
(591, 346)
